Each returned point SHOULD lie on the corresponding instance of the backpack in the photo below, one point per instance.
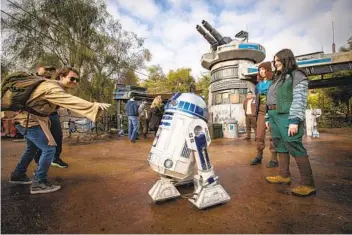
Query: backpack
(16, 89)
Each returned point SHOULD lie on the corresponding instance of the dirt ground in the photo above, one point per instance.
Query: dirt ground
(105, 190)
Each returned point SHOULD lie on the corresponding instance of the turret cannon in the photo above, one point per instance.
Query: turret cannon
(215, 39)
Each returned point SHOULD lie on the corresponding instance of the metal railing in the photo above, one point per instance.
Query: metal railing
(83, 125)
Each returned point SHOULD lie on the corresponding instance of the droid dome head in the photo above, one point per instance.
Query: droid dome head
(188, 104)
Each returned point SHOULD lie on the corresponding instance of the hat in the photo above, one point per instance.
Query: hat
(265, 65)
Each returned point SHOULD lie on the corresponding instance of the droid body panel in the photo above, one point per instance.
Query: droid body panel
(180, 144)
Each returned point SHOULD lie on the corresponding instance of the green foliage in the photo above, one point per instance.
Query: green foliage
(175, 81)
(76, 33)
(319, 99)
(130, 78)
(156, 82)
(203, 85)
(179, 80)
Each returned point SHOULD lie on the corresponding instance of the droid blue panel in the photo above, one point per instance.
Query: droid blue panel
(180, 105)
(186, 106)
(191, 108)
(199, 111)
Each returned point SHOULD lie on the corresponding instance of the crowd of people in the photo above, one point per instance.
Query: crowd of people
(142, 118)
(278, 110)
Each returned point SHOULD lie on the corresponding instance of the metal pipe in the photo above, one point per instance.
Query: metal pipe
(213, 32)
(207, 36)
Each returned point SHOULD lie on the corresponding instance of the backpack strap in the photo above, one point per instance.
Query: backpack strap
(25, 131)
(30, 110)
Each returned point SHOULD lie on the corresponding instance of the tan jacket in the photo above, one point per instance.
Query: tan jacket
(46, 98)
(253, 106)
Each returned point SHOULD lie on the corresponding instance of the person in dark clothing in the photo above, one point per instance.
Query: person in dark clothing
(155, 114)
(132, 113)
(286, 103)
(55, 124)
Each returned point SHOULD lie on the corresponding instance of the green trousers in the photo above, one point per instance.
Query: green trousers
(279, 132)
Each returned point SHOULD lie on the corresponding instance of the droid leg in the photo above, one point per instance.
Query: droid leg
(315, 128)
(163, 189)
(207, 189)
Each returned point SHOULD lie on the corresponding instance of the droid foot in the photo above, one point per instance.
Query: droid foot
(210, 196)
(163, 190)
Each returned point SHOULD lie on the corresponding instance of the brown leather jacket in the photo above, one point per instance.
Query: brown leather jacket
(253, 106)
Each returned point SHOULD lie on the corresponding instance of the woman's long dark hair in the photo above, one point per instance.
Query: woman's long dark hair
(288, 63)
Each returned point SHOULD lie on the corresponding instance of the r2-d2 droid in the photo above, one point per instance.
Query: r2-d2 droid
(180, 143)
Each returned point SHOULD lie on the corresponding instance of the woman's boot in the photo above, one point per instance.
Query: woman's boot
(284, 176)
(307, 186)
(273, 161)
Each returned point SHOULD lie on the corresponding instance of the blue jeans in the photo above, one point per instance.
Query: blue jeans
(56, 131)
(132, 127)
(36, 139)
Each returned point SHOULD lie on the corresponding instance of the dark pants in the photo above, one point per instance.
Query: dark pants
(251, 122)
(56, 131)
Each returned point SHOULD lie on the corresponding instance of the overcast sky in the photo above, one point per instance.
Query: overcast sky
(168, 26)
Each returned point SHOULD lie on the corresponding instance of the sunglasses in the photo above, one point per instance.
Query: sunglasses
(72, 79)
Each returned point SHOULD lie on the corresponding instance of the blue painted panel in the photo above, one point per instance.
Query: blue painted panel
(199, 111)
(175, 96)
(186, 106)
(165, 124)
(166, 117)
(248, 46)
(180, 105)
(191, 107)
(252, 70)
(314, 61)
(201, 144)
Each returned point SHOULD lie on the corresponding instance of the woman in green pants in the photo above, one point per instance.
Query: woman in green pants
(286, 104)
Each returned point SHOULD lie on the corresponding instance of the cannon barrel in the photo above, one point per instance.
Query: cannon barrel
(213, 32)
(208, 37)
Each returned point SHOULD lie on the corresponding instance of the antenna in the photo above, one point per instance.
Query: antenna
(247, 32)
(333, 38)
